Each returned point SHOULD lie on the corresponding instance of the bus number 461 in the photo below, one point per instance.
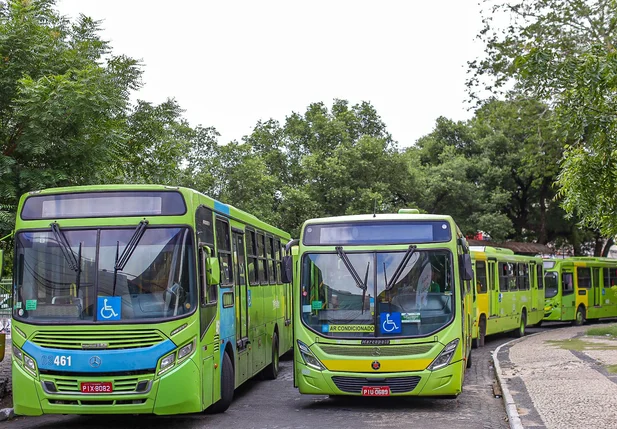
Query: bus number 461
(62, 361)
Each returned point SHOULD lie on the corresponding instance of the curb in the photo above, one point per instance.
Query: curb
(6, 414)
(513, 417)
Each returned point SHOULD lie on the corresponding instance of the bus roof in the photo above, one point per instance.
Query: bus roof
(188, 193)
(379, 217)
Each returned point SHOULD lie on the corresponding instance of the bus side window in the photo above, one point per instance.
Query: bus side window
(567, 283)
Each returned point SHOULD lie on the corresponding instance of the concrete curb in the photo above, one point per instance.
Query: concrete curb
(513, 417)
(6, 414)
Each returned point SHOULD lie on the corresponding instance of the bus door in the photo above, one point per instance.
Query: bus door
(595, 288)
(568, 299)
(241, 294)
(533, 286)
(493, 289)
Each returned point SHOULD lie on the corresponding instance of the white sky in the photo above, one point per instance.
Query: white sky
(232, 63)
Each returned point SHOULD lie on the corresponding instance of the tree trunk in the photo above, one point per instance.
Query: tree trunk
(607, 246)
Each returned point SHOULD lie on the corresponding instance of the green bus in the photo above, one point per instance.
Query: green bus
(580, 288)
(142, 299)
(508, 293)
(382, 306)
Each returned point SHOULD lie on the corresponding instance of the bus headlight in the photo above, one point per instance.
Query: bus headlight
(29, 364)
(17, 353)
(167, 362)
(186, 350)
(309, 358)
(444, 358)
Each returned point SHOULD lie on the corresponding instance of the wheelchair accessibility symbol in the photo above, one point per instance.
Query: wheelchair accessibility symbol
(390, 323)
(109, 307)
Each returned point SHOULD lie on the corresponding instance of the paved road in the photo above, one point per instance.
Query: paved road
(276, 404)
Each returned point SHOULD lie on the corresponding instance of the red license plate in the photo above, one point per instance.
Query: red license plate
(376, 391)
(97, 387)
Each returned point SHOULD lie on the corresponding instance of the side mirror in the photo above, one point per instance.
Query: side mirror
(287, 272)
(467, 270)
(213, 269)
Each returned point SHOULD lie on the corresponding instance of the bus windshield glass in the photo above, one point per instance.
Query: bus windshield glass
(551, 284)
(405, 296)
(74, 277)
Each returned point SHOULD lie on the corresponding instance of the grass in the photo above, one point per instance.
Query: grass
(612, 369)
(580, 345)
(603, 331)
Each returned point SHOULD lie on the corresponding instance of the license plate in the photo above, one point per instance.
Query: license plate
(96, 387)
(376, 391)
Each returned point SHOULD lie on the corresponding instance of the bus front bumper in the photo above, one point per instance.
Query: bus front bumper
(177, 391)
(446, 381)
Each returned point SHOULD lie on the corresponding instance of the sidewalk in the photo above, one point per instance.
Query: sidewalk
(559, 378)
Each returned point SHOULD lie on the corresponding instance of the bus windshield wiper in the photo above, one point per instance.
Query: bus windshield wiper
(341, 254)
(123, 259)
(73, 262)
(399, 269)
(361, 284)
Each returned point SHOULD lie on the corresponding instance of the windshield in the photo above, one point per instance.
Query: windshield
(418, 301)
(551, 284)
(155, 281)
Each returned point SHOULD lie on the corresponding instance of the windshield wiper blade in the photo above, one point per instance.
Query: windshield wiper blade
(65, 246)
(341, 254)
(399, 269)
(123, 259)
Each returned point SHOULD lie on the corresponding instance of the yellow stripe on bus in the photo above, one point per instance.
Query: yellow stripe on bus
(395, 365)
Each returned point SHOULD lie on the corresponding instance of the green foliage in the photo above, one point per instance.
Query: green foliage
(564, 53)
(609, 331)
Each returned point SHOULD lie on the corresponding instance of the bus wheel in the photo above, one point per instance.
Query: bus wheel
(520, 332)
(580, 316)
(481, 332)
(227, 386)
(272, 371)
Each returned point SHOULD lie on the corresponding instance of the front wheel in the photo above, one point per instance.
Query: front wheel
(272, 371)
(520, 332)
(227, 387)
(580, 316)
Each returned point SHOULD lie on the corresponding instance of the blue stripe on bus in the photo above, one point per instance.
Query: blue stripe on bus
(221, 208)
(94, 361)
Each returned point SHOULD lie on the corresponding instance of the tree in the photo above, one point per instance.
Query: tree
(563, 52)
(62, 108)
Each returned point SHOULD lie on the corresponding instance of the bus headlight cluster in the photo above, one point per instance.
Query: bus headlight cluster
(309, 358)
(178, 355)
(25, 360)
(444, 358)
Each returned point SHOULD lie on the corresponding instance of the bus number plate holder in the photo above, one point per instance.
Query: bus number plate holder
(375, 390)
(96, 387)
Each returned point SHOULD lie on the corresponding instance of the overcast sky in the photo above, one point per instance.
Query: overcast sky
(232, 63)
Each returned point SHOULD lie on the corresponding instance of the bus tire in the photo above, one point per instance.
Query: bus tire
(580, 316)
(520, 332)
(482, 331)
(272, 371)
(227, 387)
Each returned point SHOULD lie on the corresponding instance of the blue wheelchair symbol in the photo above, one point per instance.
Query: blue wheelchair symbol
(109, 307)
(390, 323)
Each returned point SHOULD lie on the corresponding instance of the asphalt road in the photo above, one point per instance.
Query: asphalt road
(277, 404)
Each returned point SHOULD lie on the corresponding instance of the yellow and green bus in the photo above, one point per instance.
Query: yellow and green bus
(580, 288)
(508, 292)
(142, 299)
(382, 306)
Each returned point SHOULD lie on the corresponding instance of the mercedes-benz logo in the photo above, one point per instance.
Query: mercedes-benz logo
(95, 361)
(376, 351)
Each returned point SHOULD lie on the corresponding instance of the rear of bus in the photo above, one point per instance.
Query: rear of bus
(381, 309)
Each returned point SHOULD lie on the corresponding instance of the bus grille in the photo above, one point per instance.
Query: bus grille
(396, 384)
(129, 339)
(68, 385)
(374, 351)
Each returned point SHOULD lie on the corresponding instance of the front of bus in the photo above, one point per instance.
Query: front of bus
(552, 290)
(104, 303)
(378, 307)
